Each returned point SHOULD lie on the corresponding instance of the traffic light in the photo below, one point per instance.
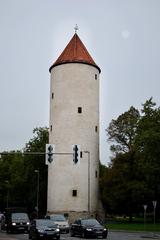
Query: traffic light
(50, 149)
(76, 153)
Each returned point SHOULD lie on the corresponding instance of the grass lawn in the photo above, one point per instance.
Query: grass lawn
(134, 227)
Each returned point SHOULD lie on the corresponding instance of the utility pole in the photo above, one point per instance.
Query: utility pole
(88, 179)
(37, 172)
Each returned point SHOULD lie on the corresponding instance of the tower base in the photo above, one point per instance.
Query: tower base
(73, 215)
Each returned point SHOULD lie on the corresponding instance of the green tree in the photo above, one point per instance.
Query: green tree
(122, 131)
(121, 181)
(18, 180)
(132, 177)
(11, 179)
(122, 186)
(36, 162)
(148, 147)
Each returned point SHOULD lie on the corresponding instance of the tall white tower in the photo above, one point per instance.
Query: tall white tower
(74, 119)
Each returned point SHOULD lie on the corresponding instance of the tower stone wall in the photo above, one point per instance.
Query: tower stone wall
(74, 119)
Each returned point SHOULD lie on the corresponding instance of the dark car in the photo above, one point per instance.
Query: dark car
(43, 228)
(88, 228)
(17, 222)
(2, 222)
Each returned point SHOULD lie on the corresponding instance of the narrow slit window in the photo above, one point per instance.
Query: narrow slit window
(95, 76)
(51, 128)
(52, 95)
(81, 154)
(96, 174)
(74, 193)
(96, 129)
(79, 110)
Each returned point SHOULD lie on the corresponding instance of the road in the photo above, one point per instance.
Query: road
(111, 236)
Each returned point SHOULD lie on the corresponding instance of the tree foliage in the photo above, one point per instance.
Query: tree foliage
(148, 146)
(122, 131)
(18, 180)
(132, 178)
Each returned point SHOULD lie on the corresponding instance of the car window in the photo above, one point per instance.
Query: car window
(45, 222)
(88, 222)
(16, 216)
(59, 218)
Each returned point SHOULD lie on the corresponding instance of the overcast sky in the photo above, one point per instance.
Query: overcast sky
(122, 36)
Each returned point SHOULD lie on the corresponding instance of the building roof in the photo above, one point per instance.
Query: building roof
(75, 52)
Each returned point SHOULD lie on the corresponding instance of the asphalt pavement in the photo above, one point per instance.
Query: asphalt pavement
(112, 235)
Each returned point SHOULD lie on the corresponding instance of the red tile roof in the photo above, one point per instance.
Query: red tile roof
(75, 52)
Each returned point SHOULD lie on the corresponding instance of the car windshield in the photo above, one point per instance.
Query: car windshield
(16, 216)
(89, 222)
(45, 222)
(58, 218)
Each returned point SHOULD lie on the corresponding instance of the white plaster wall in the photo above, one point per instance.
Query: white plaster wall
(74, 86)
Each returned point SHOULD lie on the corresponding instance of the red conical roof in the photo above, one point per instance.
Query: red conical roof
(75, 52)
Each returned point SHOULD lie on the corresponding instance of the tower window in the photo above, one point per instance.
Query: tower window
(74, 193)
(79, 110)
(96, 174)
(96, 128)
(52, 95)
(95, 76)
(81, 154)
(51, 128)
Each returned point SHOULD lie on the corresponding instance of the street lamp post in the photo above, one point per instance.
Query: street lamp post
(88, 179)
(7, 200)
(154, 206)
(37, 171)
(145, 208)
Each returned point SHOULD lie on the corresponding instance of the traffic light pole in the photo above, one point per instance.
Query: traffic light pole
(88, 179)
(31, 153)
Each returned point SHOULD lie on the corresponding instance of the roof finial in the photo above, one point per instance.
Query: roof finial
(76, 28)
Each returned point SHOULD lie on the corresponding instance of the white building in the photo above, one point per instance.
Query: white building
(74, 119)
